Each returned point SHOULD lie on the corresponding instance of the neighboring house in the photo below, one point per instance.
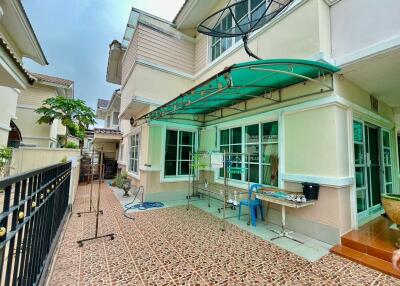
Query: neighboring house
(338, 129)
(108, 138)
(17, 40)
(34, 134)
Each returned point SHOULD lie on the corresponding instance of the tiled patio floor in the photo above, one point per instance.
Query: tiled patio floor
(172, 246)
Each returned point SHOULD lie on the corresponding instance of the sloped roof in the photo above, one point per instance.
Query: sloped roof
(102, 103)
(12, 54)
(52, 79)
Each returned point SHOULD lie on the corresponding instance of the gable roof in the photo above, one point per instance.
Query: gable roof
(52, 79)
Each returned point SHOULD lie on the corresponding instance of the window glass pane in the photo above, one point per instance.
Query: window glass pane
(258, 13)
(170, 168)
(361, 200)
(224, 138)
(186, 138)
(253, 173)
(255, 3)
(253, 151)
(359, 154)
(236, 136)
(388, 174)
(170, 153)
(184, 168)
(184, 152)
(269, 153)
(241, 10)
(358, 132)
(171, 137)
(386, 140)
(269, 175)
(386, 157)
(252, 133)
(360, 177)
(389, 188)
(270, 132)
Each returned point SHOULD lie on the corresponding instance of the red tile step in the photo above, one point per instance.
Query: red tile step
(365, 259)
(373, 247)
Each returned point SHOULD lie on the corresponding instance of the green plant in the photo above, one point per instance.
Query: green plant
(71, 145)
(120, 180)
(74, 114)
(5, 156)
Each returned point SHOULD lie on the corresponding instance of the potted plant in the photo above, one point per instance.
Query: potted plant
(123, 182)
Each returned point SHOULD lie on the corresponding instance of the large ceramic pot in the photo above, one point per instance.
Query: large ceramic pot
(391, 204)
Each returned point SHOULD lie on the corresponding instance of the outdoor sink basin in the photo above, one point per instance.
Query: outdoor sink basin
(391, 204)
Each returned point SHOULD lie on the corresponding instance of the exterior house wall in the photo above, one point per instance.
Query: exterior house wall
(8, 97)
(275, 40)
(360, 24)
(41, 135)
(315, 141)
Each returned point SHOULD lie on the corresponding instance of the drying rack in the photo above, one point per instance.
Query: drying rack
(233, 163)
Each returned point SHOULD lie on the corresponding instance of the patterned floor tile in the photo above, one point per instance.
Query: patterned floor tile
(173, 246)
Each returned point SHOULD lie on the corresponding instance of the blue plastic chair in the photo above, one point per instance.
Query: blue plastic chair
(252, 204)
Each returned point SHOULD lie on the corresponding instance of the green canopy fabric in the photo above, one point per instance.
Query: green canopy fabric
(241, 82)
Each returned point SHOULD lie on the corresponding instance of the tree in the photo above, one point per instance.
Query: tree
(74, 114)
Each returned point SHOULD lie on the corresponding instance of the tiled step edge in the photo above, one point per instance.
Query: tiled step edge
(364, 247)
(365, 259)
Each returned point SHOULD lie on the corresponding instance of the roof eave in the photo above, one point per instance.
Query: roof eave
(27, 26)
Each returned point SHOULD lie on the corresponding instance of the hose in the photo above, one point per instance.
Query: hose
(140, 206)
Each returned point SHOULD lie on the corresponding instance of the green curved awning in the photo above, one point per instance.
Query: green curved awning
(241, 82)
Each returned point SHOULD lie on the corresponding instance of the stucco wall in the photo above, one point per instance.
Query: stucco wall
(359, 24)
(28, 159)
(8, 98)
(313, 145)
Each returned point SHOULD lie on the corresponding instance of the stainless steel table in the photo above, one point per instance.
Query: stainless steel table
(283, 203)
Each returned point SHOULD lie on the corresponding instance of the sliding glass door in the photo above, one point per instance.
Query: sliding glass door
(373, 166)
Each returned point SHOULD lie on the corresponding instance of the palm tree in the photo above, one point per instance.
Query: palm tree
(74, 114)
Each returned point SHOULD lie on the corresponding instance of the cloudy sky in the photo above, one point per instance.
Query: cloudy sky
(75, 35)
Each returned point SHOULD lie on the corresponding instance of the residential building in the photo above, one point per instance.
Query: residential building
(335, 125)
(17, 40)
(32, 133)
(108, 139)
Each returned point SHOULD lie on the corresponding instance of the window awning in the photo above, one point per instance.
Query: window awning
(241, 82)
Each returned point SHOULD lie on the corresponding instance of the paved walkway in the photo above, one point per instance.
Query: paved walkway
(173, 246)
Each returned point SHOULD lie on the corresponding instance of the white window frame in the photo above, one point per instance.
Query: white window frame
(178, 154)
(135, 160)
(232, 40)
(243, 181)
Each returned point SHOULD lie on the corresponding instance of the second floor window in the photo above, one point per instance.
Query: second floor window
(178, 145)
(245, 13)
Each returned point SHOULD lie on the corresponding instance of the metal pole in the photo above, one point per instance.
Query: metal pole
(225, 189)
(190, 168)
(99, 190)
(91, 178)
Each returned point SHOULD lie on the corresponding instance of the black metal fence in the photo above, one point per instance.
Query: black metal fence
(34, 206)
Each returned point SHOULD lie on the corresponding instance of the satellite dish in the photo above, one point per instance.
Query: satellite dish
(242, 18)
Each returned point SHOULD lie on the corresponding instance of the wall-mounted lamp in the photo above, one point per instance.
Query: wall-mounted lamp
(132, 121)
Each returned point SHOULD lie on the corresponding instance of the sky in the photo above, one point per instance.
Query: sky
(75, 37)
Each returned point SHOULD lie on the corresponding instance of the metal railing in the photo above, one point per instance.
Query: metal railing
(34, 207)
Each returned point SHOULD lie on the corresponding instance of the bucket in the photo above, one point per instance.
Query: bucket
(310, 191)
